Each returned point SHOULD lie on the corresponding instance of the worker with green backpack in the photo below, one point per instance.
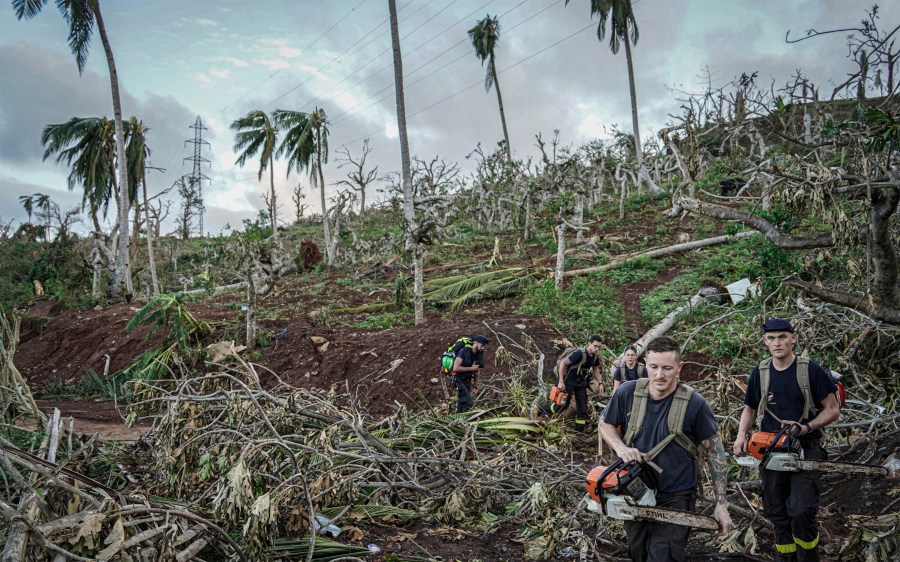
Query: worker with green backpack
(462, 362)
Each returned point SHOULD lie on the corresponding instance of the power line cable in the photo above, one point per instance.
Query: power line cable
(373, 59)
(336, 119)
(453, 95)
(345, 52)
(314, 41)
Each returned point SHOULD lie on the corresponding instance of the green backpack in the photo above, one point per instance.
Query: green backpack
(449, 356)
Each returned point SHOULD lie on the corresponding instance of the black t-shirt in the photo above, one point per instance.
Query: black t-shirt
(785, 399)
(590, 362)
(639, 371)
(678, 472)
(469, 358)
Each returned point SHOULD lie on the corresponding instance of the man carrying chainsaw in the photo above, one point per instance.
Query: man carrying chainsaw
(790, 395)
(574, 373)
(668, 426)
(469, 361)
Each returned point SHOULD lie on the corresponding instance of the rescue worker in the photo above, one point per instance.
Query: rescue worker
(790, 499)
(646, 404)
(469, 361)
(629, 369)
(573, 374)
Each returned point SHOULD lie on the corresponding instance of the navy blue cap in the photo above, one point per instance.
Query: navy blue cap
(777, 325)
(482, 340)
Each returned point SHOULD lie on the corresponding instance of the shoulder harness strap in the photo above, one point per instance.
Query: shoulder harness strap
(638, 411)
(809, 409)
(763, 390)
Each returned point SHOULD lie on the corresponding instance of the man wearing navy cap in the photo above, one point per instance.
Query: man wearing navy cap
(787, 389)
(469, 360)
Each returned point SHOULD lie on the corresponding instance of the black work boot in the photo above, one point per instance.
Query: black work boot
(792, 557)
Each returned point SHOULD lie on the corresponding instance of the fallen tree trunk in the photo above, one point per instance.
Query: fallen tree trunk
(780, 239)
(17, 539)
(704, 296)
(857, 301)
(665, 251)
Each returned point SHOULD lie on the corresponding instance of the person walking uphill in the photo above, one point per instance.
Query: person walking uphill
(787, 389)
(573, 374)
(629, 370)
(667, 425)
(468, 362)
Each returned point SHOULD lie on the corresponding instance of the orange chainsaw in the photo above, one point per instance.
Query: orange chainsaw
(781, 451)
(618, 492)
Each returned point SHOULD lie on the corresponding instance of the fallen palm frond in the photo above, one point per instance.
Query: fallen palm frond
(183, 330)
(323, 551)
(466, 288)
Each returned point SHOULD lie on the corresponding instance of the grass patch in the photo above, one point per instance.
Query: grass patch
(635, 271)
(586, 307)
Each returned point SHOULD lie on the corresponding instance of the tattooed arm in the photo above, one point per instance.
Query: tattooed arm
(718, 463)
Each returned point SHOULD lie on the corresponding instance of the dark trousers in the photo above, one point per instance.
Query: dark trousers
(660, 542)
(576, 386)
(791, 503)
(464, 400)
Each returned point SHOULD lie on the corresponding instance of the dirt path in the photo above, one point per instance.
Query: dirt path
(96, 417)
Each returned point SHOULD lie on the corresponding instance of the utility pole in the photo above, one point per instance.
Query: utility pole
(194, 204)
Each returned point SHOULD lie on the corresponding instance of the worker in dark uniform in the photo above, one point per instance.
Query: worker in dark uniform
(790, 499)
(676, 485)
(629, 369)
(574, 374)
(469, 361)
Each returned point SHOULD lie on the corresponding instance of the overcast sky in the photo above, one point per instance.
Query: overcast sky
(220, 59)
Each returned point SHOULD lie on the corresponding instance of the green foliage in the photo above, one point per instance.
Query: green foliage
(91, 387)
(886, 133)
(184, 330)
(588, 306)
(635, 271)
(56, 265)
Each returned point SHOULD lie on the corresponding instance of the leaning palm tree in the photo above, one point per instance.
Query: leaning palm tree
(413, 242)
(305, 144)
(81, 16)
(87, 145)
(485, 37)
(258, 134)
(621, 18)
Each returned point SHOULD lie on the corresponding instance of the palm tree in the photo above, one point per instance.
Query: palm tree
(305, 144)
(622, 21)
(412, 240)
(258, 134)
(87, 145)
(485, 36)
(81, 16)
(138, 152)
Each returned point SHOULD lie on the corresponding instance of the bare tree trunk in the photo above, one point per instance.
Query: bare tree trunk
(643, 176)
(413, 244)
(527, 233)
(560, 255)
(251, 311)
(122, 271)
(884, 254)
(152, 261)
(502, 114)
(579, 218)
(329, 259)
(272, 204)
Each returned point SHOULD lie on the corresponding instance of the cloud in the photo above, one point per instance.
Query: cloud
(274, 64)
(220, 72)
(203, 78)
(289, 52)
